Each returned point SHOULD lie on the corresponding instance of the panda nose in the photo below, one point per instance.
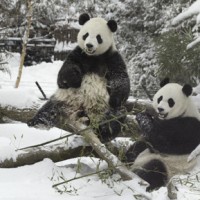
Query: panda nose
(160, 109)
(89, 46)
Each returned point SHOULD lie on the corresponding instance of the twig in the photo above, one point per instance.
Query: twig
(76, 178)
(41, 90)
(147, 93)
(48, 142)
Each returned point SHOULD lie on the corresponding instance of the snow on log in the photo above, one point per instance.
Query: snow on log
(38, 154)
(55, 152)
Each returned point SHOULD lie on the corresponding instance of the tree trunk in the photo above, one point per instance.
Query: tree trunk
(25, 41)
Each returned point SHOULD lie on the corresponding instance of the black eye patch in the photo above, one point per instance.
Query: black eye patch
(159, 99)
(85, 36)
(99, 39)
(171, 102)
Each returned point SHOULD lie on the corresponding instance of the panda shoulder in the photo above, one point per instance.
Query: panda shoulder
(182, 125)
(76, 54)
(77, 51)
(115, 57)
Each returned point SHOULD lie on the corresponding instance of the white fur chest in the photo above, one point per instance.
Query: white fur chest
(92, 96)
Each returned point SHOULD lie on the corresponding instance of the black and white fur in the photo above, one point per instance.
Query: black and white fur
(93, 77)
(168, 139)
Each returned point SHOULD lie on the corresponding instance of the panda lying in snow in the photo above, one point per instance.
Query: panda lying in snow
(168, 139)
(92, 80)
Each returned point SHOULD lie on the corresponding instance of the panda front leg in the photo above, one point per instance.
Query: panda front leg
(154, 172)
(134, 150)
(111, 124)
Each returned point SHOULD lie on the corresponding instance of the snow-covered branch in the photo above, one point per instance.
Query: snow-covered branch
(193, 10)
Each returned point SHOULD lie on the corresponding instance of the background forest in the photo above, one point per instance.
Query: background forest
(150, 45)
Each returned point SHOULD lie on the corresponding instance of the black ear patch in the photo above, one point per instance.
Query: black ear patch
(83, 18)
(112, 24)
(164, 82)
(187, 90)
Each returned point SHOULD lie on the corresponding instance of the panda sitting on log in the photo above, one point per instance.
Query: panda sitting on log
(93, 82)
(168, 139)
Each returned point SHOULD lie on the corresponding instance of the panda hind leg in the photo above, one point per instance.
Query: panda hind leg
(154, 172)
(47, 115)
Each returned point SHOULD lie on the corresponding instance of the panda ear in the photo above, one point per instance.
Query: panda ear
(83, 18)
(112, 24)
(187, 90)
(164, 82)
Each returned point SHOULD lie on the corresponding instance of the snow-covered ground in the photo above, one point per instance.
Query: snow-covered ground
(34, 182)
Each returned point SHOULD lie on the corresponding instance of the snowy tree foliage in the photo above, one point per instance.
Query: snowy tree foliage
(192, 12)
(13, 17)
(177, 49)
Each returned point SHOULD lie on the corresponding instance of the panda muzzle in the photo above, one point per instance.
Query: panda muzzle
(90, 48)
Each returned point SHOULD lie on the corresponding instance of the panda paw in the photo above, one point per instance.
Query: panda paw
(145, 122)
(110, 125)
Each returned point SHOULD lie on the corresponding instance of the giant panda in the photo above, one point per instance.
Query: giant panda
(166, 138)
(92, 81)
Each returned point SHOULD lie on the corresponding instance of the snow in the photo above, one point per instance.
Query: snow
(35, 181)
(24, 98)
(30, 75)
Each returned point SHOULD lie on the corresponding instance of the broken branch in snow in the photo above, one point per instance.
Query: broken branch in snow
(106, 155)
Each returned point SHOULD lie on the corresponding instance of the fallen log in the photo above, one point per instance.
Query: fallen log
(16, 114)
(24, 114)
(55, 152)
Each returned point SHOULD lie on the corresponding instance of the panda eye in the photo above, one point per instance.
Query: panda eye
(159, 99)
(85, 36)
(171, 102)
(99, 39)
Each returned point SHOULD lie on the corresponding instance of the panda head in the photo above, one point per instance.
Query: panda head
(96, 35)
(172, 100)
